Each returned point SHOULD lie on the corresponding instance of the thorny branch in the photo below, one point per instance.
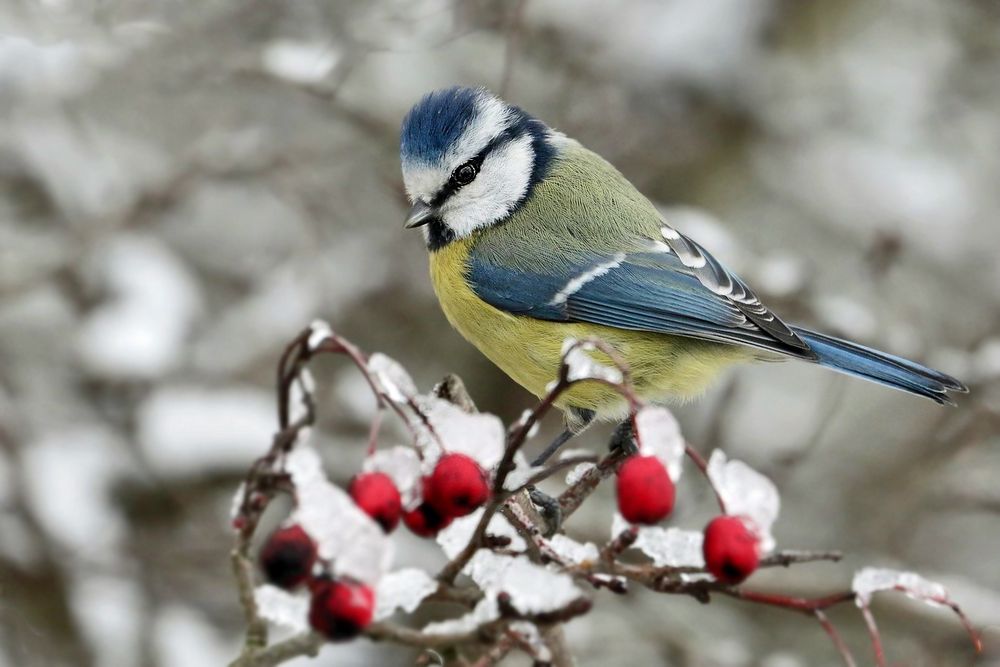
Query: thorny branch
(491, 641)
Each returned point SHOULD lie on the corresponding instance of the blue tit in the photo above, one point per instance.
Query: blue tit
(534, 239)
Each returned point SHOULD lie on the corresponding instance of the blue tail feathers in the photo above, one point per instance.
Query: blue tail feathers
(890, 370)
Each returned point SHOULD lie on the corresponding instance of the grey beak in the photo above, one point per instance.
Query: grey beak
(419, 215)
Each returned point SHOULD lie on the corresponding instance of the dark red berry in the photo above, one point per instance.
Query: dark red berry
(288, 556)
(425, 521)
(731, 549)
(457, 486)
(375, 493)
(645, 490)
(341, 608)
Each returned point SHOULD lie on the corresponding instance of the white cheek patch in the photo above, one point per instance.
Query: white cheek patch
(502, 182)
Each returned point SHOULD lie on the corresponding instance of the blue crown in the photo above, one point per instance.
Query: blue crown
(436, 122)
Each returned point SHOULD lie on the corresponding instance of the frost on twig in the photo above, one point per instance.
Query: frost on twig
(512, 588)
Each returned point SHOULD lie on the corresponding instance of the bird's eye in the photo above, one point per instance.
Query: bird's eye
(465, 174)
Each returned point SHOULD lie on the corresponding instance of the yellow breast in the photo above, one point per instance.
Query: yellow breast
(529, 350)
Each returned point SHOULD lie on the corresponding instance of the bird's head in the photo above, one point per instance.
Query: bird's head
(469, 160)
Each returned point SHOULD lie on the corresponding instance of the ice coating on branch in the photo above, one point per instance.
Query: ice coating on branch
(392, 378)
(282, 608)
(872, 580)
(480, 436)
(347, 537)
(667, 547)
(571, 551)
(485, 611)
(403, 589)
(319, 331)
(581, 366)
(745, 492)
(401, 464)
(659, 435)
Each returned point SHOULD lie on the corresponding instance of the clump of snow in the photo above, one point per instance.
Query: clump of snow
(522, 472)
(392, 378)
(872, 580)
(280, 607)
(347, 537)
(480, 436)
(523, 419)
(186, 430)
(141, 330)
(747, 493)
(570, 551)
(659, 435)
(581, 366)
(577, 473)
(532, 588)
(484, 612)
(319, 332)
(667, 547)
(299, 61)
(457, 534)
(403, 589)
(401, 464)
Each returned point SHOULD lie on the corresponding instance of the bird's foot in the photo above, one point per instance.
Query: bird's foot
(549, 508)
(623, 440)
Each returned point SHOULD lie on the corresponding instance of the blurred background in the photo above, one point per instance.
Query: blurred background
(184, 185)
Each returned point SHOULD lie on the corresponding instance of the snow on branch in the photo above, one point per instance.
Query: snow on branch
(509, 570)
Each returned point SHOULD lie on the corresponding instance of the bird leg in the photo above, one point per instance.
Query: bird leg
(577, 419)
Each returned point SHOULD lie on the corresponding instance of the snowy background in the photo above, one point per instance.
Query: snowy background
(185, 185)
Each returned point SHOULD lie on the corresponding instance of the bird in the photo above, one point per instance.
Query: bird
(534, 239)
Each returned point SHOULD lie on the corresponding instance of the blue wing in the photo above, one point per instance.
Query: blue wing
(686, 293)
(677, 287)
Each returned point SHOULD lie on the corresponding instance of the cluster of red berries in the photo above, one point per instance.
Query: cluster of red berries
(646, 496)
(339, 608)
(455, 488)
(342, 608)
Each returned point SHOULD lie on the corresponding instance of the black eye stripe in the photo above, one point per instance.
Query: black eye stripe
(452, 186)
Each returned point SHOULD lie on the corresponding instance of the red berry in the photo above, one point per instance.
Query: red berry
(288, 556)
(341, 608)
(375, 493)
(731, 549)
(645, 490)
(425, 521)
(457, 486)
